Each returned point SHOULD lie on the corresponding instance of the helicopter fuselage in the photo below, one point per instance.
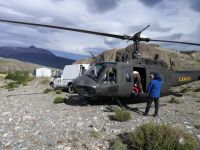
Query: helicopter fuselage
(115, 79)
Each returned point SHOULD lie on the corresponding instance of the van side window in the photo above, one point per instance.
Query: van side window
(128, 76)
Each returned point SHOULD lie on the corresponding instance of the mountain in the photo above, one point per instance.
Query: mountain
(7, 64)
(182, 60)
(34, 55)
(69, 55)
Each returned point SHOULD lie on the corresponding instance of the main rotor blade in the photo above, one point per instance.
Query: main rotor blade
(65, 28)
(169, 41)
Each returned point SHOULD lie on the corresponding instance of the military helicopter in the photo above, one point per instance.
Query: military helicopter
(116, 79)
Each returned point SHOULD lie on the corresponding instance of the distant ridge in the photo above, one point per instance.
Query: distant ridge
(7, 64)
(34, 55)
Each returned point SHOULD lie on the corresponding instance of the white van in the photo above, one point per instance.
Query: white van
(70, 72)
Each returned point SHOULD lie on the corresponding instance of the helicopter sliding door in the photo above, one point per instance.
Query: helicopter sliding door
(125, 80)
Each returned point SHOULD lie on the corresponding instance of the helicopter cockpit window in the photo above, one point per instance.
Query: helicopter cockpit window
(82, 69)
(110, 76)
(94, 71)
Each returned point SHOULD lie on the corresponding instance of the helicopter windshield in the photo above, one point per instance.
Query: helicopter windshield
(94, 71)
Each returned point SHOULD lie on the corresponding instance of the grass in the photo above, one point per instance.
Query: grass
(58, 91)
(47, 91)
(95, 134)
(153, 136)
(174, 100)
(121, 115)
(59, 100)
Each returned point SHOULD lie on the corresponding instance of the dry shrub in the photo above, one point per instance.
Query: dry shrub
(20, 77)
(95, 134)
(185, 90)
(117, 144)
(197, 89)
(197, 126)
(59, 100)
(152, 136)
(174, 100)
(11, 85)
(58, 91)
(121, 115)
(47, 91)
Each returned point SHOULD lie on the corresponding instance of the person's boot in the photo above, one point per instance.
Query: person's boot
(145, 114)
(155, 115)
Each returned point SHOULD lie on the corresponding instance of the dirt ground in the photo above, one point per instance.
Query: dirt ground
(30, 120)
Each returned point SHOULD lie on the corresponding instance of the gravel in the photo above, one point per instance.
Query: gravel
(30, 120)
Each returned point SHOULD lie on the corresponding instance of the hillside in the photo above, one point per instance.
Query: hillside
(183, 61)
(34, 55)
(12, 65)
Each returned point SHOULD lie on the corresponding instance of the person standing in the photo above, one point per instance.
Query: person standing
(153, 92)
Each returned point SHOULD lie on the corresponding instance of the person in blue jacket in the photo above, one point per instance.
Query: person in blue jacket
(153, 92)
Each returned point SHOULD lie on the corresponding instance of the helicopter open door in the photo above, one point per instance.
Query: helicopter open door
(142, 78)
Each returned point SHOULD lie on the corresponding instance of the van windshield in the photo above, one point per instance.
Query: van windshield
(94, 71)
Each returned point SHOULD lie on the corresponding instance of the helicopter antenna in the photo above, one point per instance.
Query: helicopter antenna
(95, 58)
(92, 54)
(143, 30)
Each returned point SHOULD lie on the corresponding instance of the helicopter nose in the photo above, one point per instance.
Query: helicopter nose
(85, 86)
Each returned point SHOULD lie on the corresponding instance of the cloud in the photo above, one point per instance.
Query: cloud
(112, 43)
(158, 28)
(101, 6)
(195, 5)
(170, 19)
(154, 27)
(151, 3)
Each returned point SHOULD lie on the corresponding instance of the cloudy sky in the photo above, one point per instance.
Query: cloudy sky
(169, 20)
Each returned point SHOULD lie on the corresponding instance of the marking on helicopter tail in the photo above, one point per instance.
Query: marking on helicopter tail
(181, 79)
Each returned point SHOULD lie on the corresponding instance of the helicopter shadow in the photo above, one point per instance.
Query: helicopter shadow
(76, 100)
(177, 94)
(110, 103)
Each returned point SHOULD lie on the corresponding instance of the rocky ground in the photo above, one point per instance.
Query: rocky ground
(30, 120)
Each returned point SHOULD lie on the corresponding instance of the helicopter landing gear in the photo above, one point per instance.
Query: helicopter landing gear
(118, 102)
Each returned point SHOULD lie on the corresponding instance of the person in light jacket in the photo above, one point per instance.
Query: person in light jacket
(153, 92)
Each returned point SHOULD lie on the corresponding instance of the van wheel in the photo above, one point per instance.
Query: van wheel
(52, 86)
(70, 89)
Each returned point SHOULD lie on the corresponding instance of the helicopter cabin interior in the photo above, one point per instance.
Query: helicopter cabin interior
(140, 80)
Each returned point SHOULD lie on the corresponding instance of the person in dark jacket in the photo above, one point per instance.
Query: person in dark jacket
(153, 92)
